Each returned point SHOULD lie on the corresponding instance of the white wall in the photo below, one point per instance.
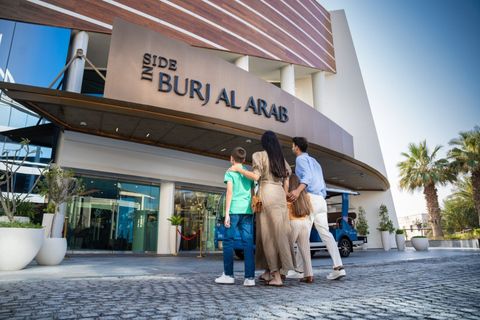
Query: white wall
(349, 107)
(101, 154)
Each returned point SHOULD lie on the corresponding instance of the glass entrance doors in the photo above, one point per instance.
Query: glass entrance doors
(198, 210)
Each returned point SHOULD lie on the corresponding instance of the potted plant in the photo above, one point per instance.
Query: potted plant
(420, 243)
(400, 239)
(362, 225)
(175, 228)
(59, 186)
(386, 227)
(19, 241)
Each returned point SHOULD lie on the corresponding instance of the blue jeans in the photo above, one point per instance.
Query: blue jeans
(244, 224)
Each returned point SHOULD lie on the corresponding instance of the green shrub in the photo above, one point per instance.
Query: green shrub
(175, 220)
(400, 231)
(362, 224)
(17, 224)
(385, 223)
(418, 237)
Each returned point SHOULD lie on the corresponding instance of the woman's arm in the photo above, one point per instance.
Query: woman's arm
(247, 174)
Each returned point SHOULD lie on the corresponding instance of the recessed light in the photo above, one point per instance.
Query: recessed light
(223, 149)
(116, 129)
(148, 135)
(334, 178)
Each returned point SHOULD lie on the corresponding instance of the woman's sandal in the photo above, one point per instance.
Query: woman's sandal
(269, 283)
(307, 279)
(261, 278)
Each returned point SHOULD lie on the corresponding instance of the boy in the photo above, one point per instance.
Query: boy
(238, 215)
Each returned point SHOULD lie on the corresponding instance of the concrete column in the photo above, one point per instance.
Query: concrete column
(74, 79)
(167, 202)
(319, 92)
(287, 79)
(242, 62)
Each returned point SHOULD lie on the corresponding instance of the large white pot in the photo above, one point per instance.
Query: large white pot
(420, 244)
(52, 252)
(47, 221)
(18, 247)
(400, 240)
(173, 232)
(15, 218)
(386, 240)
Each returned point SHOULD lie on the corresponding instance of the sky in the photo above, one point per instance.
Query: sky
(420, 62)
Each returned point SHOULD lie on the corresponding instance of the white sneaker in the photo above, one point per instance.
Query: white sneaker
(248, 282)
(294, 274)
(337, 274)
(224, 279)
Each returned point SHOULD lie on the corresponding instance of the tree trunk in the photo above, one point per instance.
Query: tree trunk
(476, 190)
(434, 216)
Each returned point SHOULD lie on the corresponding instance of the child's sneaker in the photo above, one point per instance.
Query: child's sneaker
(249, 282)
(224, 279)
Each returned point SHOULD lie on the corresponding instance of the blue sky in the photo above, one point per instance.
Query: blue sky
(420, 60)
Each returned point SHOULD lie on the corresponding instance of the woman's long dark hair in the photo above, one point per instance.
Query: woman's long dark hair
(272, 146)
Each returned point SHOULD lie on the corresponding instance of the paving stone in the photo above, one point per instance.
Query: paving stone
(435, 288)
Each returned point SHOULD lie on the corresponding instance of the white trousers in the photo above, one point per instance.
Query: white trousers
(319, 217)
(300, 234)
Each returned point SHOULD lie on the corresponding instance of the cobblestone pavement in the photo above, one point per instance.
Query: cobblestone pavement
(433, 288)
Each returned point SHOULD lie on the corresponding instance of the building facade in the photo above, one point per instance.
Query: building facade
(145, 101)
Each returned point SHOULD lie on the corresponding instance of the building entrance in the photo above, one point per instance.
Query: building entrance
(198, 210)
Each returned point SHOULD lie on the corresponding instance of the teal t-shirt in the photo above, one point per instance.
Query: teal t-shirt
(242, 196)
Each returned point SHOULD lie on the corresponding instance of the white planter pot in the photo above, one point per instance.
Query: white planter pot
(420, 244)
(52, 252)
(385, 240)
(18, 247)
(16, 218)
(58, 226)
(400, 240)
(173, 232)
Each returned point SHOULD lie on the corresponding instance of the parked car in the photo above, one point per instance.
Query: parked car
(341, 221)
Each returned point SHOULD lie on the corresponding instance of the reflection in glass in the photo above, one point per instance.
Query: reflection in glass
(114, 215)
(198, 210)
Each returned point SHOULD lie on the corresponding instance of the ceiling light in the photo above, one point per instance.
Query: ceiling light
(223, 149)
(148, 135)
(116, 129)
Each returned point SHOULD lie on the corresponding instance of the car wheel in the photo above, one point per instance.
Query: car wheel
(344, 247)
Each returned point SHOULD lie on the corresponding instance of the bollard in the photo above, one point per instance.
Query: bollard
(201, 240)
(176, 241)
(65, 228)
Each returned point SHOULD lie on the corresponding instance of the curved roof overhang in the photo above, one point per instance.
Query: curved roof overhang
(179, 130)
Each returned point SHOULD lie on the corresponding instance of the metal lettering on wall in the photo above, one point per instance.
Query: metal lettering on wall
(195, 89)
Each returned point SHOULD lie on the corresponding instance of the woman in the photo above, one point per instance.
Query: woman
(274, 250)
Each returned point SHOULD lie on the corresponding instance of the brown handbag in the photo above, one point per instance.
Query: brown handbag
(256, 204)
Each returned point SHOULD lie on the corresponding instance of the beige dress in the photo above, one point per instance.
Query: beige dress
(274, 250)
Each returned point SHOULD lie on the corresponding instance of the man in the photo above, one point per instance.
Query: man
(311, 180)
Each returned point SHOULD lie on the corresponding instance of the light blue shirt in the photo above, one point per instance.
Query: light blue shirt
(310, 172)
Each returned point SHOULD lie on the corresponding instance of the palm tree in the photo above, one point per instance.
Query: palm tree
(420, 170)
(466, 159)
(460, 213)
